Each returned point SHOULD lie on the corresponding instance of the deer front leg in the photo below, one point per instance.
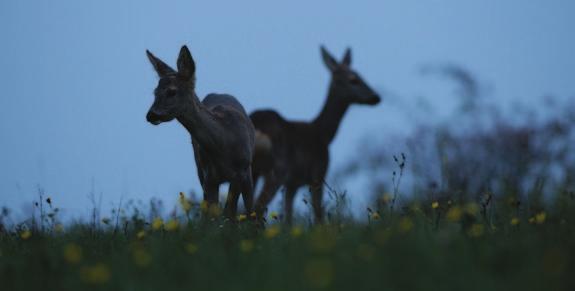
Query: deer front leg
(271, 186)
(316, 201)
(248, 192)
(210, 192)
(231, 207)
(288, 204)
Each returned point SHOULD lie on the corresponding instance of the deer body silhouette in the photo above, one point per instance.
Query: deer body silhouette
(294, 154)
(222, 133)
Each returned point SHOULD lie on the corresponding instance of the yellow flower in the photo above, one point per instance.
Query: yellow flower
(141, 257)
(58, 228)
(191, 248)
(319, 273)
(72, 253)
(515, 221)
(204, 206)
(454, 214)
(540, 217)
(184, 203)
(246, 245)
(435, 205)
(405, 225)
(531, 220)
(476, 230)
(97, 274)
(253, 214)
(274, 215)
(242, 217)
(172, 225)
(375, 216)
(296, 231)
(472, 208)
(158, 223)
(141, 234)
(272, 231)
(25, 234)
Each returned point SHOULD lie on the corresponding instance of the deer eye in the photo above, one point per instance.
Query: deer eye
(171, 92)
(353, 79)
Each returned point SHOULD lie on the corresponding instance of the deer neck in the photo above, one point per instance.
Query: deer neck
(199, 122)
(329, 119)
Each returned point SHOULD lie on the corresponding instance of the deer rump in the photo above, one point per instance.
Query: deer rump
(291, 152)
(238, 136)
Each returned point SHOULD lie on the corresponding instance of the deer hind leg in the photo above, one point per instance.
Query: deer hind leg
(316, 201)
(211, 192)
(270, 188)
(288, 203)
(231, 207)
(247, 188)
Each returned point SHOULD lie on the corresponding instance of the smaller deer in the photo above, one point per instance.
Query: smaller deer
(222, 133)
(293, 154)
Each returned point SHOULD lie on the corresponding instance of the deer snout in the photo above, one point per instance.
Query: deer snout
(374, 99)
(153, 118)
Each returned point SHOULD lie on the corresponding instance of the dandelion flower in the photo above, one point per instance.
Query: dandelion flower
(454, 214)
(246, 245)
(531, 220)
(141, 234)
(515, 221)
(25, 234)
(191, 248)
(172, 225)
(242, 217)
(296, 231)
(253, 214)
(272, 231)
(435, 205)
(375, 216)
(158, 223)
(184, 203)
(540, 217)
(97, 274)
(72, 253)
(274, 215)
(476, 230)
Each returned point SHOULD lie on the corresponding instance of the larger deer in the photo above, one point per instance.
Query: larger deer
(293, 154)
(222, 133)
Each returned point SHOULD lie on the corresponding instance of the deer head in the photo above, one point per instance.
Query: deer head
(175, 89)
(348, 82)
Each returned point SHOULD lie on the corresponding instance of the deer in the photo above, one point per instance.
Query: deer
(293, 154)
(223, 136)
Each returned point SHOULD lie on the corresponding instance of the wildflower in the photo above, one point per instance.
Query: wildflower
(58, 228)
(319, 273)
(105, 220)
(386, 198)
(184, 203)
(72, 253)
(531, 220)
(204, 206)
(141, 257)
(540, 217)
(253, 214)
(25, 234)
(405, 225)
(472, 208)
(454, 214)
(476, 230)
(515, 221)
(296, 231)
(272, 231)
(158, 223)
(141, 234)
(172, 225)
(191, 248)
(274, 215)
(242, 217)
(435, 205)
(97, 274)
(246, 245)
(375, 216)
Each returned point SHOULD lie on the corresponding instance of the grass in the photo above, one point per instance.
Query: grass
(433, 246)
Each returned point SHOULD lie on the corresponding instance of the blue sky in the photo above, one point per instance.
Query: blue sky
(76, 84)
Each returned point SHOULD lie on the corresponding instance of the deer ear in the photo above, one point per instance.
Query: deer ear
(328, 60)
(347, 58)
(161, 68)
(186, 65)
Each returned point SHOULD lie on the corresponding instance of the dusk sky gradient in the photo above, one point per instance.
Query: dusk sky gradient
(76, 83)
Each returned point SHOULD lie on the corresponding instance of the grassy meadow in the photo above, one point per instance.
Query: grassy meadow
(441, 244)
